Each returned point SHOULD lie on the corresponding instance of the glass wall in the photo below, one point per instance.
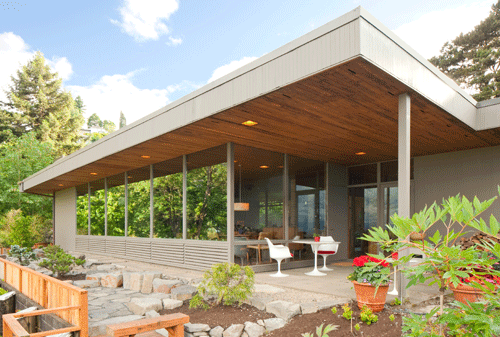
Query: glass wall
(167, 193)
(116, 205)
(139, 201)
(207, 194)
(82, 210)
(97, 210)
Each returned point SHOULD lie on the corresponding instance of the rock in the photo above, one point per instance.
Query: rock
(190, 327)
(274, 323)
(308, 308)
(136, 281)
(99, 328)
(39, 252)
(106, 267)
(261, 322)
(86, 284)
(234, 330)
(164, 286)
(216, 332)
(68, 281)
(91, 262)
(329, 304)
(244, 334)
(112, 280)
(140, 306)
(283, 309)
(126, 280)
(184, 292)
(95, 277)
(152, 314)
(170, 304)
(162, 332)
(267, 289)
(259, 302)
(147, 282)
(254, 329)
(64, 334)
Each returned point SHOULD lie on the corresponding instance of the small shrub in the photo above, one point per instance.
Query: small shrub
(392, 318)
(396, 301)
(334, 310)
(347, 311)
(23, 230)
(320, 332)
(25, 255)
(3, 291)
(225, 283)
(58, 261)
(357, 327)
(368, 316)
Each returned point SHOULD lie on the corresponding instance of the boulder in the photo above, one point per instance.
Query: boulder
(147, 281)
(183, 292)
(190, 327)
(170, 304)
(95, 277)
(254, 329)
(283, 309)
(106, 267)
(164, 286)
(112, 280)
(86, 284)
(140, 306)
(126, 280)
(274, 323)
(308, 308)
(216, 332)
(136, 281)
(234, 330)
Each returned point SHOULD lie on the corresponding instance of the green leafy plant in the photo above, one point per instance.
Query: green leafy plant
(446, 263)
(225, 283)
(357, 327)
(320, 332)
(3, 291)
(58, 261)
(392, 318)
(368, 316)
(24, 254)
(23, 230)
(395, 302)
(334, 310)
(347, 311)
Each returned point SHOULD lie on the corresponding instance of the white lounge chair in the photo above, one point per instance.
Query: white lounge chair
(327, 249)
(278, 253)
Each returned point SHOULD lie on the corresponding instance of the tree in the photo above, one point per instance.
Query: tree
(37, 103)
(94, 121)
(109, 126)
(473, 59)
(79, 105)
(20, 158)
(123, 120)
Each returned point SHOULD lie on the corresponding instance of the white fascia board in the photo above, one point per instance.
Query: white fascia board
(387, 51)
(488, 114)
(300, 58)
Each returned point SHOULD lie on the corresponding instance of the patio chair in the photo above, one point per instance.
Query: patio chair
(241, 251)
(258, 247)
(327, 249)
(278, 253)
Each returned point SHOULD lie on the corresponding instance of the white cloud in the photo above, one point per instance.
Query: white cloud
(115, 93)
(428, 33)
(62, 66)
(145, 19)
(174, 41)
(227, 68)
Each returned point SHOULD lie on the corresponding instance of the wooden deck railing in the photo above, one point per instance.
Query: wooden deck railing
(58, 297)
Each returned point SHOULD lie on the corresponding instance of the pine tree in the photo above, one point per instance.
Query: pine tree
(37, 103)
(123, 120)
(473, 59)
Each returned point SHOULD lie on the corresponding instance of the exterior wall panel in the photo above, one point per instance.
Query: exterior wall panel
(337, 208)
(65, 218)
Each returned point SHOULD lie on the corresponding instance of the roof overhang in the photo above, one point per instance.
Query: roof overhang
(326, 95)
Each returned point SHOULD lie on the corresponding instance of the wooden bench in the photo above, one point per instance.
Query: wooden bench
(174, 323)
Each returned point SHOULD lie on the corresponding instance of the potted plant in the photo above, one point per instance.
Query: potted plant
(371, 281)
(446, 264)
(465, 291)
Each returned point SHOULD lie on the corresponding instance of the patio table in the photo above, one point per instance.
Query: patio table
(314, 247)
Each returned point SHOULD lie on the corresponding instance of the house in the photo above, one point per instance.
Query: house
(331, 133)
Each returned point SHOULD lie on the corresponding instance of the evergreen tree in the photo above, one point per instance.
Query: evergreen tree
(123, 120)
(94, 121)
(37, 103)
(109, 126)
(79, 105)
(473, 59)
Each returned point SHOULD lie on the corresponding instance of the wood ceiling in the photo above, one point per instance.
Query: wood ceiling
(328, 117)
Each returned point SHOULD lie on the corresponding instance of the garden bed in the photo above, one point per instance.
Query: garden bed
(227, 315)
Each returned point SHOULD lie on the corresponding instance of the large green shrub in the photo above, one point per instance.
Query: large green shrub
(225, 283)
(58, 261)
(24, 254)
(19, 229)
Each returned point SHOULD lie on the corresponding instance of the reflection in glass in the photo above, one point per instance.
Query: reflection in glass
(168, 199)
(82, 210)
(207, 194)
(116, 205)
(390, 203)
(139, 202)
(97, 212)
(362, 216)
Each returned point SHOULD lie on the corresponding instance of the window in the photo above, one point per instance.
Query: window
(138, 202)
(82, 210)
(116, 205)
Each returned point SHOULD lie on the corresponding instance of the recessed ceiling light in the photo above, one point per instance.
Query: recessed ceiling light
(130, 177)
(60, 185)
(281, 166)
(145, 157)
(249, 123)
(264, 166)
(360, 153)
(93, 173)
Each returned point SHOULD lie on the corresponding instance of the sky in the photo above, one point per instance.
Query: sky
(137, 56)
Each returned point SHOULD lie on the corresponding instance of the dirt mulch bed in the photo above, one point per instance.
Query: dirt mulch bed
(221, 315)
(225, 316)
(78, 277)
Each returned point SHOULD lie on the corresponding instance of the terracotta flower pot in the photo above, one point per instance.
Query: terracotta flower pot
(464, 293)
(365, 295)
(417, 236)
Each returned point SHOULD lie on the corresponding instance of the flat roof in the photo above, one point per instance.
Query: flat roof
(354, 40)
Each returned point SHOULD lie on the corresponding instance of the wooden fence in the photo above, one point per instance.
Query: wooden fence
(57, 297)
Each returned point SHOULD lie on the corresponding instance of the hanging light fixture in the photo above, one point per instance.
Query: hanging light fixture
(241, 206)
